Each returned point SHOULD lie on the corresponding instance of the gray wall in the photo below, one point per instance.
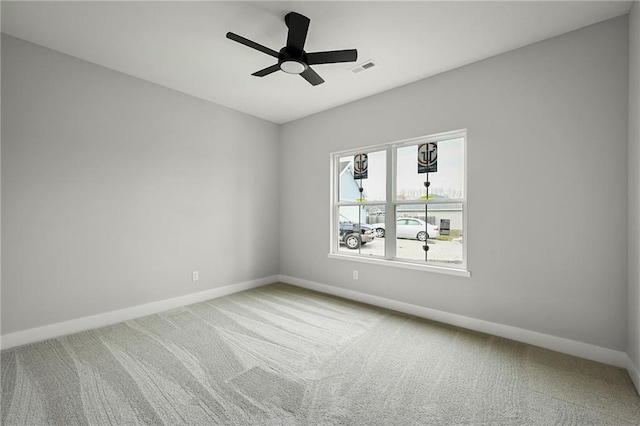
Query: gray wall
(633, 348)
(115, 189)
(546, 124)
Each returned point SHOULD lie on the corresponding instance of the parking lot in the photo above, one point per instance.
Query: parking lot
(439, 251)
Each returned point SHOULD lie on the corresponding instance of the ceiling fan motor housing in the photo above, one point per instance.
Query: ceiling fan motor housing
(292, 61)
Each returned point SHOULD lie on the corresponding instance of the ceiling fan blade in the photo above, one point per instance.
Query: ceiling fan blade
(298, 27)
(252, 44)
(267, 71)
(312, 77)
(333, 56)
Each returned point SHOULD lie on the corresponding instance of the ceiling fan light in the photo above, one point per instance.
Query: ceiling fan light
(293, 67)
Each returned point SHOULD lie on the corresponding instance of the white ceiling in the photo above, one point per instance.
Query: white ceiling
(182, 45)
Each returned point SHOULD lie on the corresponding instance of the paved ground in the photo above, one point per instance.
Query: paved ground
(442, 251)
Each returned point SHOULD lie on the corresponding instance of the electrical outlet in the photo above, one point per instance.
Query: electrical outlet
(355, 275)
(195, 276)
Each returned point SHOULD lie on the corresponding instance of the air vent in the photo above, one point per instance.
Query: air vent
(363, 66)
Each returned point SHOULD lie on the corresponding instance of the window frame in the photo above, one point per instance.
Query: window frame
(391, 202)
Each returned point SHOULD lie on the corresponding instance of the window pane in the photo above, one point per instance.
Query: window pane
(443, 228)
(359, 239)
(374, 186)
(446, 183)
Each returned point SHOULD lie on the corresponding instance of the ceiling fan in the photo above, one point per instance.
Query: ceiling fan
(292, 58)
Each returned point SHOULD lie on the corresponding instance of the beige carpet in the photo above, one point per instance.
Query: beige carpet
(279, 355)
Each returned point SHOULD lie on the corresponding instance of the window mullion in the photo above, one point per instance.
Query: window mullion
(389, 208)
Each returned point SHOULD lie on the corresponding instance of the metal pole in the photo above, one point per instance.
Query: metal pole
(426, 217)
(360, 217)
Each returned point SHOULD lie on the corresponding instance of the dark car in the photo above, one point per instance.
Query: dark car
(353, 235)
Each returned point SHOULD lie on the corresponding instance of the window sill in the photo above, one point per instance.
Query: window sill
(400, 264)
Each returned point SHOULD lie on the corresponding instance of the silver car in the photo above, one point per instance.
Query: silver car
(409, 227)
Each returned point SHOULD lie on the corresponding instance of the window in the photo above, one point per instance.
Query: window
(402, 203)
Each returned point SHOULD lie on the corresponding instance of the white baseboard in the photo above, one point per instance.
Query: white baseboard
(107, 318)
(634, 373)
(558, 344)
